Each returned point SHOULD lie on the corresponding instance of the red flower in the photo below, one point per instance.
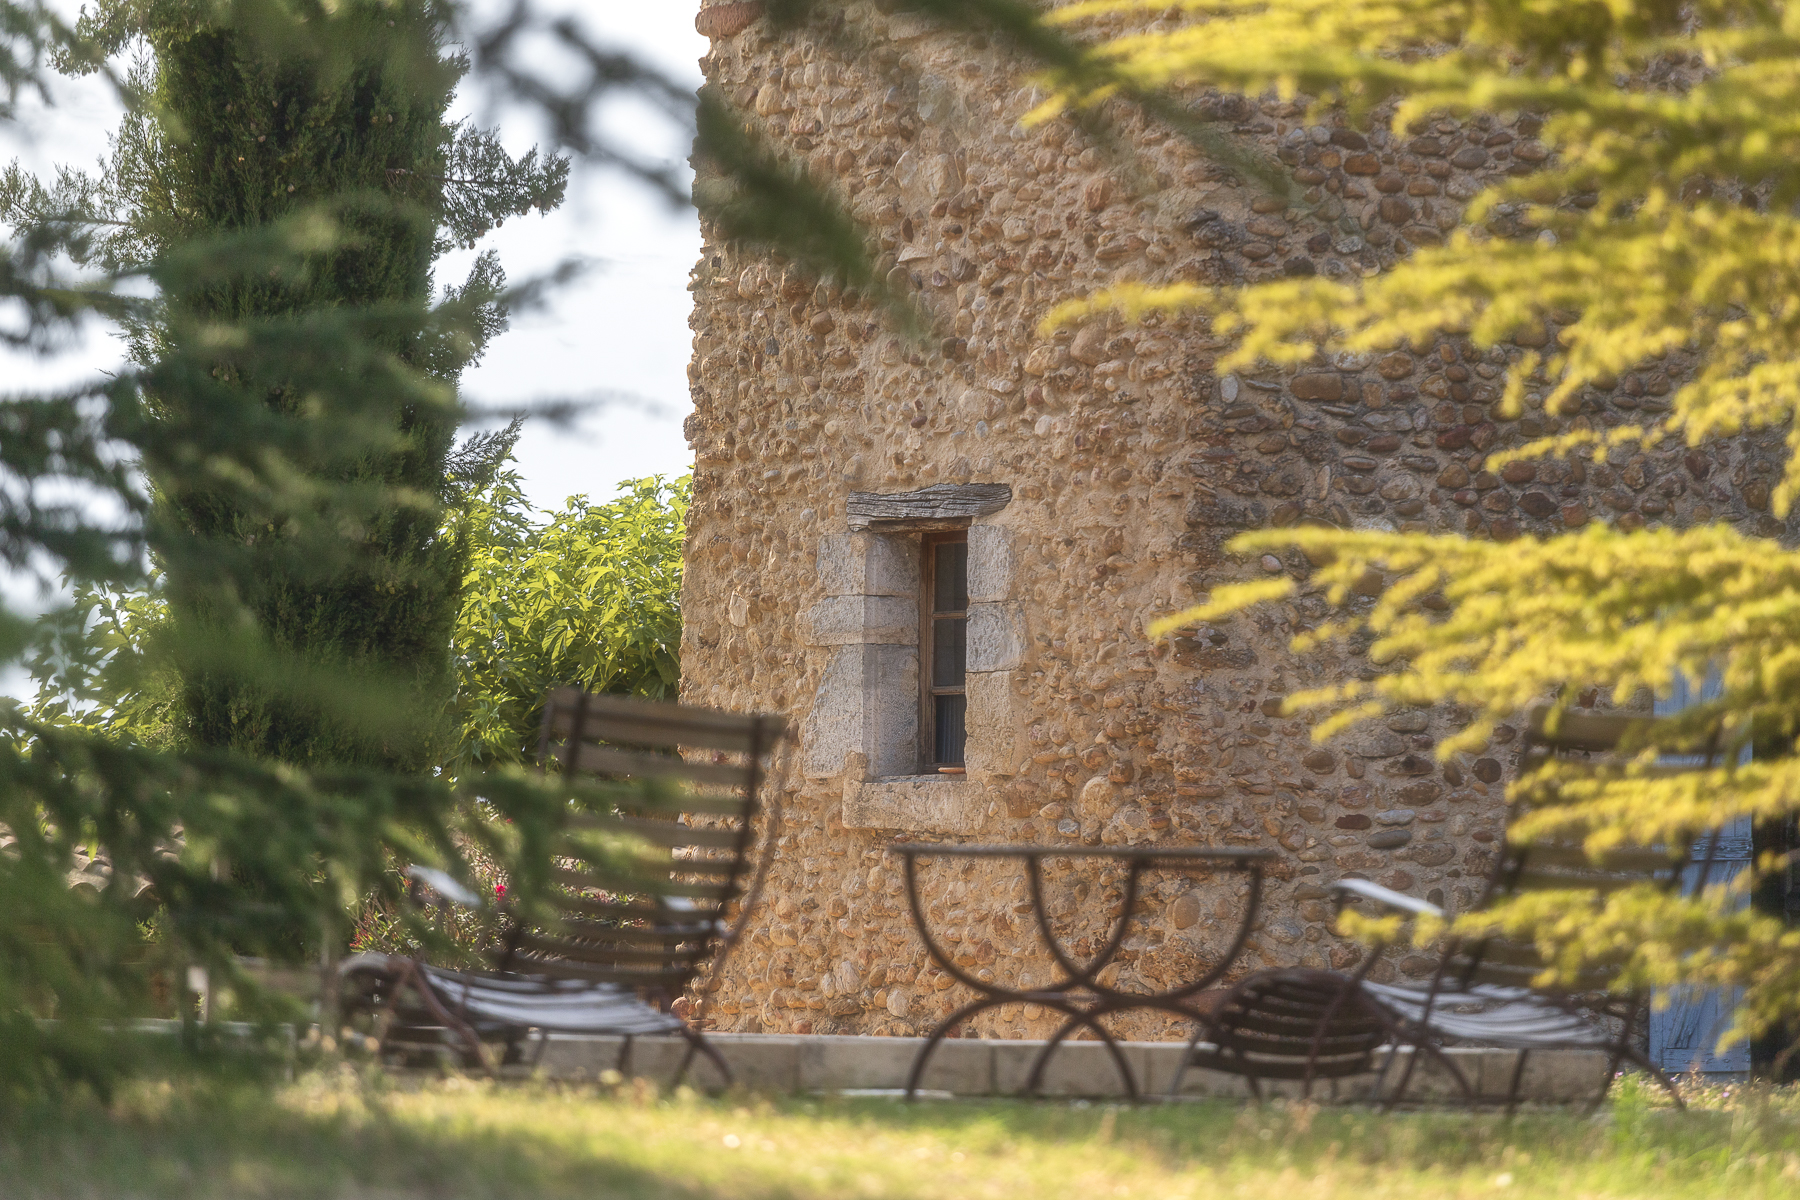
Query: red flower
(499, 889)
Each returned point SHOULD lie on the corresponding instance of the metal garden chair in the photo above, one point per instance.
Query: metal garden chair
(621, 943)
(1483, 991)
(1292, 1023)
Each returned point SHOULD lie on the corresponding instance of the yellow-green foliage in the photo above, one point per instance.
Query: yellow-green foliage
(1663, 219)
(1498, 626)
(1691, 187)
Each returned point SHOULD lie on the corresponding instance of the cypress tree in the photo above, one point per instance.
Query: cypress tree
(340, 114)
(292, 409)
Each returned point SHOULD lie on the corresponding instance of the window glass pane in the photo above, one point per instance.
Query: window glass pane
(948, 714)
(950, 577)
(948, 651)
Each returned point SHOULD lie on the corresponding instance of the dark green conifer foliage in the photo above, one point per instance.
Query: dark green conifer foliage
(300, 415)
(243, 129)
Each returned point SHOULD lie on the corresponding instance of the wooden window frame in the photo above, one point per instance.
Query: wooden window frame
(928, 544)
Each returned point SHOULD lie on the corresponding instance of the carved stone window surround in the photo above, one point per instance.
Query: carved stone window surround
(864, 725)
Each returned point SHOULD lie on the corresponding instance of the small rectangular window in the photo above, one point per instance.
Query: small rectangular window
(944, 626)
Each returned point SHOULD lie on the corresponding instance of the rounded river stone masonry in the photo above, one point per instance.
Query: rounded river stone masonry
(1116, 464)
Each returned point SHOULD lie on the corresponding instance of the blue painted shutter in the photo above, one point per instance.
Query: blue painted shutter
(1684, 1035)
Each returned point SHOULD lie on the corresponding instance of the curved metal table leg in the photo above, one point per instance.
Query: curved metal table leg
(1079, 1019)
(1187, 1058)
(943, 1031)
(1080, 996)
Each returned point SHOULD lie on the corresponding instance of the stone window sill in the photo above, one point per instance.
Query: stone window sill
(913, 804)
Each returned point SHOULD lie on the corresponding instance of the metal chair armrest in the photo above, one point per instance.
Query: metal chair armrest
(1366, 890)
(445, 886)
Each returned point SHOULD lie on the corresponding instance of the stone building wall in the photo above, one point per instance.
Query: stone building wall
(1126, 463)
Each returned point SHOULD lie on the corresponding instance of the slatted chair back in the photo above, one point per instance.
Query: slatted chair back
(1296, 1023)
(1562, 862)
(640, 895)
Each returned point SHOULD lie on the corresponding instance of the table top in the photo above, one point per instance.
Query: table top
(1228, 854)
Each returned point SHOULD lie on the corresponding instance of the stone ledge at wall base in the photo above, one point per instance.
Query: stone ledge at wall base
(787, 1063)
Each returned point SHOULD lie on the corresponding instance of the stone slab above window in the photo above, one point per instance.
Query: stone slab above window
(937, 506)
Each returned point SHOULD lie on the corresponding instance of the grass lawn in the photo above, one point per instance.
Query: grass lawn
(354, 1136)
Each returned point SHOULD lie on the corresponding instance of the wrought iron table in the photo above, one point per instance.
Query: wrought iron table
(1079, 995)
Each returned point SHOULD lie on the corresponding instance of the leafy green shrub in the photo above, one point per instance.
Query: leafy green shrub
(590, 597)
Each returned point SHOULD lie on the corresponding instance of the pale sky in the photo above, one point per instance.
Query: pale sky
(621, 330)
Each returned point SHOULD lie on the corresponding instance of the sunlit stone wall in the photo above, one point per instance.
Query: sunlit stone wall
(1130, 463)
